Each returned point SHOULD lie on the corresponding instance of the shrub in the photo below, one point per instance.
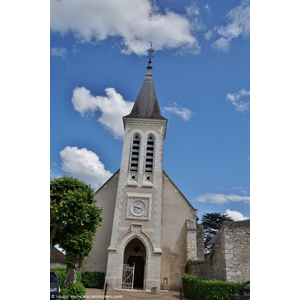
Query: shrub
(75, 291)
(61, 274)
(92, 279)
(198, 288)
(78, 278)
(87, 278)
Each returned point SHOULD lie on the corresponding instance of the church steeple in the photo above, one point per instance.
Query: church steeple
(146, 105)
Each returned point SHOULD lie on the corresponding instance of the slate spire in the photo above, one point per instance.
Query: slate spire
(146, 104)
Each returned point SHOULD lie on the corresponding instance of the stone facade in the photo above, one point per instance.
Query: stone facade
(105, 197)
(176, 211)
(180, 240)
(230, 257)
(147, 221)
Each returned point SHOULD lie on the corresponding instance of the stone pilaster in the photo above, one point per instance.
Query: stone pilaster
(191, 240)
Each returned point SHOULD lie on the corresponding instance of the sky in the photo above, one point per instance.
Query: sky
(202, 66)
(201, 72)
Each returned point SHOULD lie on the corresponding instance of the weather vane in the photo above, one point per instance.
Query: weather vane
(150, 51)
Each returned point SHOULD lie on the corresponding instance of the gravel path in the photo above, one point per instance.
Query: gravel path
(132, 295)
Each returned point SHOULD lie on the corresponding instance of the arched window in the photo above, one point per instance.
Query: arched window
(149, 154)
(135, 151)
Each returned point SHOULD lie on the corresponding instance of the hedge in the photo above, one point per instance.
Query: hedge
(92, 279)
(87, 278)
(197, 288)
(61, 274)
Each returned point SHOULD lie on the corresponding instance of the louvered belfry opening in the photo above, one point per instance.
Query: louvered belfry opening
(135, 153)
(149, 154)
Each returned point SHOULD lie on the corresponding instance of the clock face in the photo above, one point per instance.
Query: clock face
(138, 207)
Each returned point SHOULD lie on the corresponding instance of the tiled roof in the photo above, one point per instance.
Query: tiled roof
(213, 240)
(57, 255)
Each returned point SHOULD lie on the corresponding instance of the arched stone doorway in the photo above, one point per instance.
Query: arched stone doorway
(135, 254)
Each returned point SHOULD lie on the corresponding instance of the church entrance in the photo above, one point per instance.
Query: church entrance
(135, 255)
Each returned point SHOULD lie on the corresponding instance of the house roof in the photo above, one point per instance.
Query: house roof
(213, 239)
(57, 255)
(146, 104)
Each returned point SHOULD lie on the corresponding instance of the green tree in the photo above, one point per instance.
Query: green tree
(211, 224)
(74, 219)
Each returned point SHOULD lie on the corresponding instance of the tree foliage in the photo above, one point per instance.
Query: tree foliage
(211, 224)
(74, 219)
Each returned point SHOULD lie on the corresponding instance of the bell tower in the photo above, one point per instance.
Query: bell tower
(138, 208)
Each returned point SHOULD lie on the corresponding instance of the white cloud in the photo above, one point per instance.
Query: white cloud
(207, 8)
(239, 105)
(84, 165)
(222, 44)
(192, 10)
(238, 24)
(136, 22)
(112, 106)
(193, 13)
(59, 52)
(235, 215)
(183, 112)
(208, 35)
(221, 198)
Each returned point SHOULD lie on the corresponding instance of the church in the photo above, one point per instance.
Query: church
(149, 231)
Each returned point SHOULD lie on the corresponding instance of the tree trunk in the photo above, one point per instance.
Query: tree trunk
(72, 269)
(53, 230)
(51, 246)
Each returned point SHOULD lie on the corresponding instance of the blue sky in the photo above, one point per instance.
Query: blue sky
(201, 71)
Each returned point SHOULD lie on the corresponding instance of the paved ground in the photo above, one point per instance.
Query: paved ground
(132, 295)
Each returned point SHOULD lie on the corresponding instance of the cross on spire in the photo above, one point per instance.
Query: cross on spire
(150, 51)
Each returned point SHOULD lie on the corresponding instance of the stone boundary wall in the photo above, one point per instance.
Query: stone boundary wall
(230, 257)
(237, 251)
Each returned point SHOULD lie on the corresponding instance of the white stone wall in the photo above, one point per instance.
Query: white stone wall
(178, 242)
(152, 193)
(105, 197)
